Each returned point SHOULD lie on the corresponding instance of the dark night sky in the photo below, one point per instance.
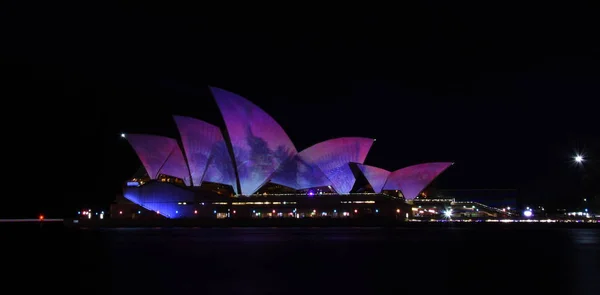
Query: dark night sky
(509, 93)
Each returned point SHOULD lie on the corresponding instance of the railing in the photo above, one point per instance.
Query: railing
(316, 194)
(433, 200)
(482, 205)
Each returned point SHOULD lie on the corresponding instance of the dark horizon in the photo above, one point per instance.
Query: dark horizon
(510, 100)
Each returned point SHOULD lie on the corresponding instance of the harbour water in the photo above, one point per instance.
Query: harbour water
(495, 260)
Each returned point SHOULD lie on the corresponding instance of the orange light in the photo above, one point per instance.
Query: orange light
(397, 210)
(41, 217)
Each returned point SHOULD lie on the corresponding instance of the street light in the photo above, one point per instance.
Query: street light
(448, 213)
(578, 159)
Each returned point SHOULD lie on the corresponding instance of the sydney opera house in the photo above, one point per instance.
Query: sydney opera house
(251, 168)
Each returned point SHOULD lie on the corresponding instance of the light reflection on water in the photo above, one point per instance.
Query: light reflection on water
(586, 261)
(584, 236)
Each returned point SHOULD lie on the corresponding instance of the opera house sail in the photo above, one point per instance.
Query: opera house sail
(333, 156)
(206, 152)
(412, 180)
(159, 155)
(375, 176)
(259, 144)
(252, 150)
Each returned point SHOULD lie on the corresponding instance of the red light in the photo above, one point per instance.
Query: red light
(397, 210)
(41, 217)
(233, 211)
(273, 211)
(120, 212)
(355, 211)
(195, 211)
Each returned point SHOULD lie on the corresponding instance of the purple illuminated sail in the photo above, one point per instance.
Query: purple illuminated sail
(287, 173)
(198, 139)
(176, 166)
(152, 150)
(333, 158)
(414, 179)
(375, 176)
(310, 175)
(259, 144)
(220, 166)
(162, 197)
(299, 174)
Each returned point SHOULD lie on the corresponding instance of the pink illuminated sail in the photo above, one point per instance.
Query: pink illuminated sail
(287, 173)
(198, 139)
(413, 180)
(333, 156)
(152, 150)
(375, 176)
(176, 166)
(220, 166)
(259, 144)
(299, 174)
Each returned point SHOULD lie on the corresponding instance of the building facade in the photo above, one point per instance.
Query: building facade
(252, 168)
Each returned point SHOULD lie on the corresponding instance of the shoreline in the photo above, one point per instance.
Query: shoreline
(308, 223)
(296, 223)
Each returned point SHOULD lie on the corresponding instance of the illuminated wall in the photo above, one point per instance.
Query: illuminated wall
(198, 139)
(375, 175)
(333, 156)
(161, 197)
(414, 179)
(152, 150)
(259, 144)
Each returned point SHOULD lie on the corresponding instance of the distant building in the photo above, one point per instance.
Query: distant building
(499, 198)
